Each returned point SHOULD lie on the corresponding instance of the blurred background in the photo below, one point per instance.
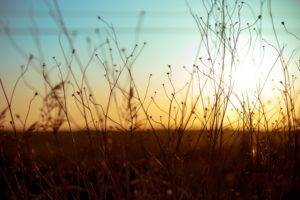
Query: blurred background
(28, 27)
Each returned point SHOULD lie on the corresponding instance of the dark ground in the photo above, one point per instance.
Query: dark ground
(46, 167)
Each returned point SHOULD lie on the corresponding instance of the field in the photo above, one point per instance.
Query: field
(98, 124)
(136, 169)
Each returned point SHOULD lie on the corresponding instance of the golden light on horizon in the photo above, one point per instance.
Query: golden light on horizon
(226, 65)
(120, 99)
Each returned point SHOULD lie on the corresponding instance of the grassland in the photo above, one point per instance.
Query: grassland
(136, 169)
(204, 139)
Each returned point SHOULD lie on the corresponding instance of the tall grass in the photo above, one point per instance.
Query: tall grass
(209, 140)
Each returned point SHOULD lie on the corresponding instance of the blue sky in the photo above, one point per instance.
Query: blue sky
(170, 18)
(172, 42)
(167, 27)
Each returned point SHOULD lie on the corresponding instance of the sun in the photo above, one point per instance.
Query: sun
(252, 79)
(246, 78)
(255, 71)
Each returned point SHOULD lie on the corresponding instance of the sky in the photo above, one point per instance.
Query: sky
(167, 27)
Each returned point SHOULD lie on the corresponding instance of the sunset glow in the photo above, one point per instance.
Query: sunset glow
(136, 99)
